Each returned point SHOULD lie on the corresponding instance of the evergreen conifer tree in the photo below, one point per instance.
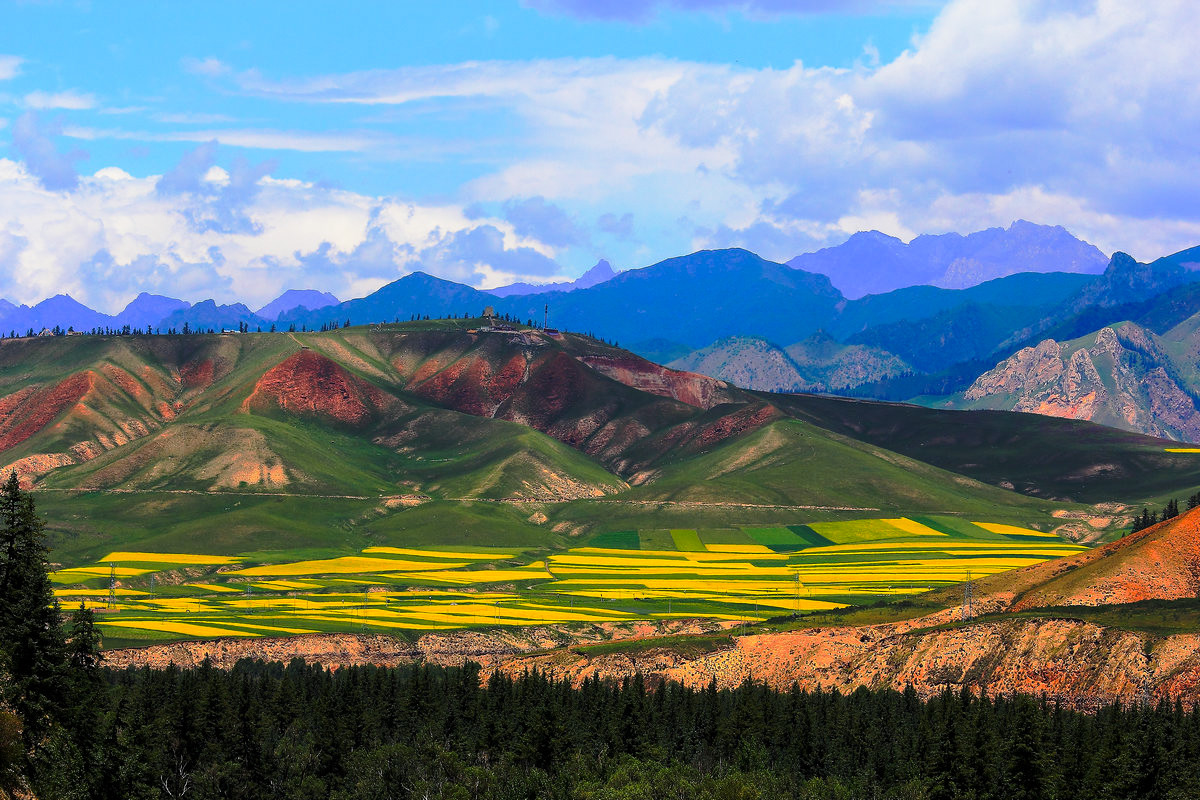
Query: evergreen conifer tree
(32, 644)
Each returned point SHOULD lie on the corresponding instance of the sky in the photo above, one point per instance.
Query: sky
(233, 150)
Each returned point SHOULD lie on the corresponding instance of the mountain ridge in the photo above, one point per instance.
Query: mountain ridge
(870, 262)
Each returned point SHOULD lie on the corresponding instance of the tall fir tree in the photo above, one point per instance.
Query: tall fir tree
(32, 643)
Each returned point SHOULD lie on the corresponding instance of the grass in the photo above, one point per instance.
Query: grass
(687, 540)
(1038, 456)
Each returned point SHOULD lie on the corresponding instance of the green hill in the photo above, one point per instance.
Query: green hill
(443, 431)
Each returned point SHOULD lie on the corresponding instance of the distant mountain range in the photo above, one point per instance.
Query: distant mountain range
(598, 274)
(716, 285)
(871, 262)
(152, 311)
(292, 299)
(735, 316)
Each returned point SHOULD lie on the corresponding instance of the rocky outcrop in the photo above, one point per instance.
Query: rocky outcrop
(1085, 666)
(446, 649)
(1121, 376)
(817, 364)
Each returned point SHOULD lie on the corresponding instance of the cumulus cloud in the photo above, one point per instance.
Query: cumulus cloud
(539, 219)
(620, 227)
(32, 138)
(205, 67)
(116, 234)
(476, 254)
(216, 205)
(187, 175)
(1090, 102)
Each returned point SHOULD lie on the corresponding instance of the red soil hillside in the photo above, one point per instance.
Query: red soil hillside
(309, 384)
(687, 387)
(618, 408)
(24, 413)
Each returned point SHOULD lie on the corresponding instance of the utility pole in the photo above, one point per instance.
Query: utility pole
(968, 612)
(112, 585)
(545, 316)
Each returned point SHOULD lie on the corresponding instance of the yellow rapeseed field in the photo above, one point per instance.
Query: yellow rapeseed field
(348, 565)
(169, 558)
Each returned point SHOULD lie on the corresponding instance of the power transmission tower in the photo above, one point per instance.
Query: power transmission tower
(968, 612)
(112, 585)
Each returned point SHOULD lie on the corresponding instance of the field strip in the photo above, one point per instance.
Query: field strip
(719, 573)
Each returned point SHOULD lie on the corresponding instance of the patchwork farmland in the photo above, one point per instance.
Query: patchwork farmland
(748, 573)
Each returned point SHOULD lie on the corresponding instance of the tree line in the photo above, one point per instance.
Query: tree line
(72, 729)
(1169, 511)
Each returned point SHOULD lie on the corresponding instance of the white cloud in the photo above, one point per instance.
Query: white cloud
(192, 118)
(1075, 113)
(69, 100)
(260, 139)
(1088, 101)
(116, 235)
(206, 67)
(10, 67)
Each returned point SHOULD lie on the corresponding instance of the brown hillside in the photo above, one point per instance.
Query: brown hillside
(1159, 563)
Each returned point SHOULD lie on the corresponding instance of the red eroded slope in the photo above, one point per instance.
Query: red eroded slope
(310, 384)
(474, 383)
(196, 375)
(30, 410)
(687, 387)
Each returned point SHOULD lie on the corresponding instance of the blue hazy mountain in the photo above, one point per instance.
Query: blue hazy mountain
(308, 299)
(207, 315)
(148, 310)
(598, 274)
(415, 293)
(695, 300)
(871, 262)
(61, 310)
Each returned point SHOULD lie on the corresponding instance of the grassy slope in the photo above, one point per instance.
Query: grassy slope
(1039, 456)
(794, 463)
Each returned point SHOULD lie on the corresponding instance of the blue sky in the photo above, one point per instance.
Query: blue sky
(233, 150)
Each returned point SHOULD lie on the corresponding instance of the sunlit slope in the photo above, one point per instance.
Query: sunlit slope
(1161, 563)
